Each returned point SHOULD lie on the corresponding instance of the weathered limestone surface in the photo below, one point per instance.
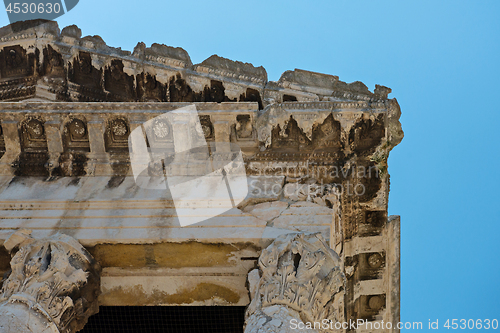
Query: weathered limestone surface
(95, 212)
(52, 287)
(299, 279)
(277, 318)
(267, 211)
(306, 216)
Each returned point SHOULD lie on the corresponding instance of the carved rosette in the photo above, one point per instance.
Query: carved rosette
(299, 278)
(53, 285)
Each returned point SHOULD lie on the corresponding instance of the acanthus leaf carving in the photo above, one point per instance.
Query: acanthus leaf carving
(300, 273)
(56, 278)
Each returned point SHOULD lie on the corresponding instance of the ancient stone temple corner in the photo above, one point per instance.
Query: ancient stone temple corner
(117, 187)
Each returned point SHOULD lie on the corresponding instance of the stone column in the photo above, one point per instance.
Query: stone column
(299, 281)
(52, 287)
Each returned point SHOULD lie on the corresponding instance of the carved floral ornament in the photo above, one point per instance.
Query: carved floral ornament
(301, 272)
(34, 128)
(119, 127)
(77, 128)
(32, 133)
(55, 279)
(161, 129)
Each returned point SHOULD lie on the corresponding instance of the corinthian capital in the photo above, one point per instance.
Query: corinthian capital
(299, 280)
(52, 287)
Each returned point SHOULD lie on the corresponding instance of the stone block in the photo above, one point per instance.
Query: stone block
(267, 211)
(306, 216)
(263, 189)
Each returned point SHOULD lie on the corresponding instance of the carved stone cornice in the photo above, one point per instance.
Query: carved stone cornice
(309, 114)
(16, 89)
(300, 272)
(323, 133)
(234, 70)
(169, 68)
(55, 280)
(120, 107)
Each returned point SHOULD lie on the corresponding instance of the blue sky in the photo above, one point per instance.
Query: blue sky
(442, 60)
